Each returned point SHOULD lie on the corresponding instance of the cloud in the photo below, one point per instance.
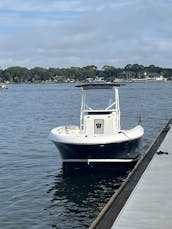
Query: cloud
(60, 33)
(38, 6)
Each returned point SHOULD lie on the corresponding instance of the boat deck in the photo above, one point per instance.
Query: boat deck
(150, 204)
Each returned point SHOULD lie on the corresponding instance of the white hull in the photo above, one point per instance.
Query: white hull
(72, 135)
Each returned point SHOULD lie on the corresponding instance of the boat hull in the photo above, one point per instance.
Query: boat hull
(122, 150)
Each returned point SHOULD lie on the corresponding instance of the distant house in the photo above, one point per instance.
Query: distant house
(125, 75)
(154, 76)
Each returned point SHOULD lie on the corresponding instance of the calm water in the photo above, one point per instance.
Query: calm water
(33, 193)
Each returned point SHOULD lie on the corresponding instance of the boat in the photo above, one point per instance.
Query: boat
(99, 137)
(3, 86)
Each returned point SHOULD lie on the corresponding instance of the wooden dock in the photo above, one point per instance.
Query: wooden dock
(144, 200)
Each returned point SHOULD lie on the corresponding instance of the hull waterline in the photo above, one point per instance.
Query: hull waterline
(123, 150)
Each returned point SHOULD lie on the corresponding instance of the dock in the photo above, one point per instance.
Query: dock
(144, 200)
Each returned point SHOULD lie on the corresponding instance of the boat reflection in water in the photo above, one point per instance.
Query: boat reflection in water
(80, 197)
(99, 138)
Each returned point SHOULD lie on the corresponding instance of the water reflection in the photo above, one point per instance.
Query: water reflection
(81, 197)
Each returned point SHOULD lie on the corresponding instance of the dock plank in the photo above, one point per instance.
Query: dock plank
(150, 204)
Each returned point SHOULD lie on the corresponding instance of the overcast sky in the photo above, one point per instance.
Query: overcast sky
(65, 33)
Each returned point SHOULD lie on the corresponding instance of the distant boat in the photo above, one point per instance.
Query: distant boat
(99, 138)
(3, 86)
(99, 80)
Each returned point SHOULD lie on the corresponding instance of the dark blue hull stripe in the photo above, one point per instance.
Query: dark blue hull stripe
(124, 150)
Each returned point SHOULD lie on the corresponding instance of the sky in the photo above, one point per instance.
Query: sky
(65, 33)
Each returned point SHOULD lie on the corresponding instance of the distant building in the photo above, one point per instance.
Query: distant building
(125, 75)
(153, 76)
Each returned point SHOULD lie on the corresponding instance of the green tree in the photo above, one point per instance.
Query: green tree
(16, 74)
(39, 74)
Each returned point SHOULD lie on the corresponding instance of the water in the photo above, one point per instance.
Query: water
(33, 193)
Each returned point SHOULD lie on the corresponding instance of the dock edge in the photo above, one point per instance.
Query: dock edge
(109, 213)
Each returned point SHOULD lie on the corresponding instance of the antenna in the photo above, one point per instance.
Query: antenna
(140, 120)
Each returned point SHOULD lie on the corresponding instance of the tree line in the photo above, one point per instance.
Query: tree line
(39, 74)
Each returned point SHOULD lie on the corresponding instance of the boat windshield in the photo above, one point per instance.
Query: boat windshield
(100, 99)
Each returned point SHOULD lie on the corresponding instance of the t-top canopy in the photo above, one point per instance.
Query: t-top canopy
(99, 85)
